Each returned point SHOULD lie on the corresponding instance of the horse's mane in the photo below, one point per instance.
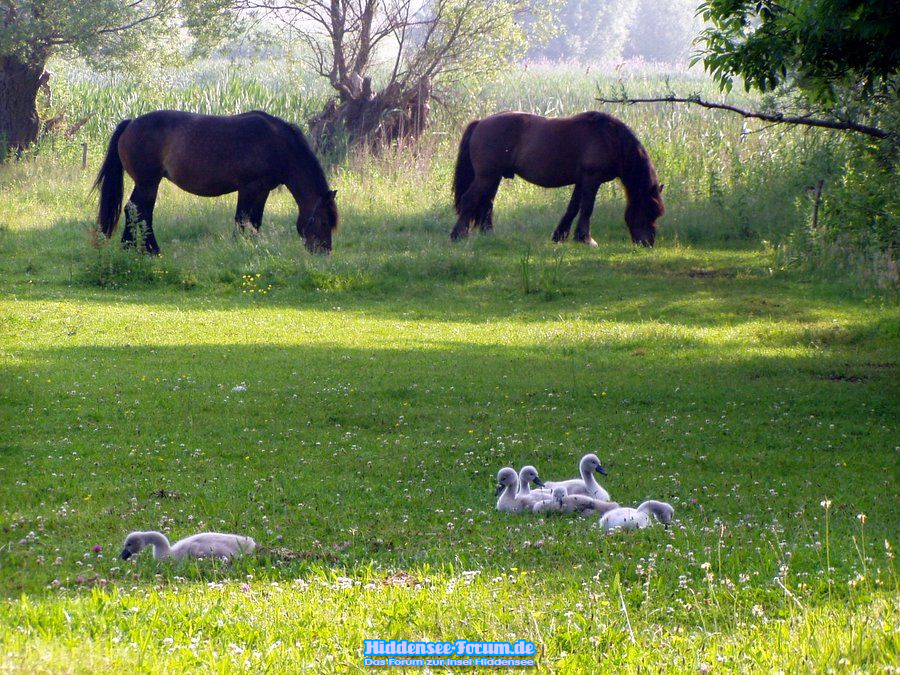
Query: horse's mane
(301, 148)
(637, 172)
(310, 163)
(316, 173)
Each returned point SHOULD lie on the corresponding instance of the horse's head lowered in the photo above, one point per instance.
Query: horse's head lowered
(317, 221)
(642, 213)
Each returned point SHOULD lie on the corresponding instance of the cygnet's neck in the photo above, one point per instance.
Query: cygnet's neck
(508, 496)
(651, 507)
(161, 548)
(589, 481)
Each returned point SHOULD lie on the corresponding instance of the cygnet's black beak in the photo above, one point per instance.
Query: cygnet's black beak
(538, 481)
(498, 490)
(126, 554)
(601, 471)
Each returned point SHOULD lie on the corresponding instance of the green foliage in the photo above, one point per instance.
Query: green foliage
(284, 88)
(545, 278)
(818, 47)
(108, 31)
(839, 60)
(471, 41)
(115, 267)
(854, 230)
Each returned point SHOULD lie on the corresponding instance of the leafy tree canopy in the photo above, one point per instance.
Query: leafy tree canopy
(821, 47)
(107, 31)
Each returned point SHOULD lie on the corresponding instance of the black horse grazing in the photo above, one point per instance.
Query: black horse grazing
(585, 150)
(207, 155)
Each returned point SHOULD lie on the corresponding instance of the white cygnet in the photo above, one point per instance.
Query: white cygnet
(528, 474)
(509, 501)
(625, 518)
(204, 545)
(587, 484)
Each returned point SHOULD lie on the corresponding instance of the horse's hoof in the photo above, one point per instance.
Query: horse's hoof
(587, 242)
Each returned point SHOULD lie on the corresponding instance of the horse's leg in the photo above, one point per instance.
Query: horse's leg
(256, 213)
(486, 217)
(250, 205)
(588, 195)
(140, 209)
(461, 229)
(472, 205)
(561, 233)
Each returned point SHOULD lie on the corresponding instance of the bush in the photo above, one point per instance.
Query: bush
(114, 266)
(852, 229)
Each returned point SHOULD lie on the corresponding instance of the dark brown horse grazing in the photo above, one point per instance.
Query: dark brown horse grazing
(207, 155)
(585, 150)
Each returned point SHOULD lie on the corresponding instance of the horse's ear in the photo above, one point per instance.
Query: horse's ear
(662, 187)
(332, 194)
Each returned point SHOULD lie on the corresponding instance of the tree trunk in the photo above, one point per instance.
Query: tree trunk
(19, 84)
(391, 115)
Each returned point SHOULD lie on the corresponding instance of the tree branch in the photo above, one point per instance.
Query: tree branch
(777, 118)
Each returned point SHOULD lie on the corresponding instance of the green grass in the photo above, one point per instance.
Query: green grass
(387, 384)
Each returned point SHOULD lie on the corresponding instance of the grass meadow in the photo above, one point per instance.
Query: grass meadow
(350, 413)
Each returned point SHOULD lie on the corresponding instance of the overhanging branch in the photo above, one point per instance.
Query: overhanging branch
(777, 118)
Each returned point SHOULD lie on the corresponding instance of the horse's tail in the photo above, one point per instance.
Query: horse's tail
(110, 184)
(465, 172)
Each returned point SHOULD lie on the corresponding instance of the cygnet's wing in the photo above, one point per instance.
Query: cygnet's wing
(546, 506)
(600, 507)
(574, 486)
(578, 503)
(624, 519)
(210, 545)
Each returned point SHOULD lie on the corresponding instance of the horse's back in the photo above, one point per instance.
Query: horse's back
(250, 127)
(547, 151)
(206, 154)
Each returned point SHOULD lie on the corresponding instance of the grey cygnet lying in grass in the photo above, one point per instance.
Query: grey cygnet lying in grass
(562, 502)
(639, 518)
(204, 545)
(587, 484)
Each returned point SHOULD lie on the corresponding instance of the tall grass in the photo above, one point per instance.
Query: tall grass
(726, 180)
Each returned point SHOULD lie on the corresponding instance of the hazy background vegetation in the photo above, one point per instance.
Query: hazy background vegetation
(607, 31)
